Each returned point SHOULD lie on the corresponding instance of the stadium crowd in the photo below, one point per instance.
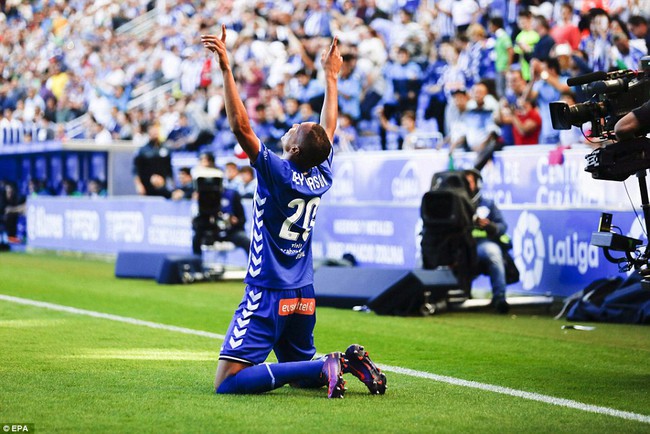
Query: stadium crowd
(457, 73)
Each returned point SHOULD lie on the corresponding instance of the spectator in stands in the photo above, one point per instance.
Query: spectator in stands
(464, 13)
(616, 25)
(31, 102)
(444, 23)
(38, 187)
(99, 133)
(624, 55)
(152, 162)
(638, 26)
(481, 54)
(525, 41)
(63, 112)
(543, 47)
(289, 113)
(489, 228)
(249, 182)
(69, 188)
(162, 57)
(516, 86)
(565, 30)
(185, 185)
(571, 65)
(182, 135)
(407, 131)
(546, 86)
(96, 188)
(264, 123)
(11, 128)
(345, 135)
(403, 79)
(232, 179)
(306, 89)
(475, 129)
(526, 122)
(503, 52)
(432, 99)
(597, 44)
(12, 206)
(350, 87)
(307, 114)
(58, 78)
(456, 136)
(50, 109)
(452, 78)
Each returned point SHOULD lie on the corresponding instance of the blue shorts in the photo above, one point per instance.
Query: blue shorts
(267, 319)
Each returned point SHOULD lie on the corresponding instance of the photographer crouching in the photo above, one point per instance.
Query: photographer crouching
(489, 227)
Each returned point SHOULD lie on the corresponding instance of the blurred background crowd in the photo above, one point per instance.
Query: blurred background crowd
(456, 74)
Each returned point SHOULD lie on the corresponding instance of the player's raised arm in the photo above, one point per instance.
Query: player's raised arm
(331, 60)
(235, 110)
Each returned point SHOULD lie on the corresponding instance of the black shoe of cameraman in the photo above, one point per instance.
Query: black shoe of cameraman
(500, 305)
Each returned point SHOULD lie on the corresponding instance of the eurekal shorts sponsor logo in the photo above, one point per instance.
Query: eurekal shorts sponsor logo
(301, 306)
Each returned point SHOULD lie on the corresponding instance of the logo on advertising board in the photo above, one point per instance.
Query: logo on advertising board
(125, 226)
(42, 223)
(82, 224)
(406, 186)
(528, 250)
(343, 187)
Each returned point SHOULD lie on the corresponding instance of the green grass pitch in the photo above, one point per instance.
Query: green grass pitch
(65, 372)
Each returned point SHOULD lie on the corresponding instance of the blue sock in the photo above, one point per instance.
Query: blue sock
(265, 377)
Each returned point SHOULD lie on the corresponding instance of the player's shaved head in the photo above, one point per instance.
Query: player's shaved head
(314, 145)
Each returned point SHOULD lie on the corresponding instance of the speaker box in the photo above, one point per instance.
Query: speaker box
(140, 265)
(407, 296)
(385, 291)
(346, 287)
(180, 269)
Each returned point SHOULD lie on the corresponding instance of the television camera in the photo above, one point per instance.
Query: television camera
(210, 225)
(208, 183)
(615, 94)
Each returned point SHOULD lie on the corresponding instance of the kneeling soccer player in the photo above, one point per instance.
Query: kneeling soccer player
(277, 312)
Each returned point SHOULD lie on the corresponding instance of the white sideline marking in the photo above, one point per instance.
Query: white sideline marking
(404, 371)
(520, 394)
(134, 321)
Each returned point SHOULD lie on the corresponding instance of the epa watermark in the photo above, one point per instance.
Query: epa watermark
(17, 428)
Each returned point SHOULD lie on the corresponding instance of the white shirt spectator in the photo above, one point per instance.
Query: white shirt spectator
(463, 11)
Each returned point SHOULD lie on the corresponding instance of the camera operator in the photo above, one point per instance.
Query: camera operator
(634, 124)
(231, 220)
(489, 227)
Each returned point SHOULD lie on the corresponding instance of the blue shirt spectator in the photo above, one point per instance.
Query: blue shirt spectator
(350, 87)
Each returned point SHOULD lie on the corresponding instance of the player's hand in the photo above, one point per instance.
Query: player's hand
(217, 45)
(331, 58)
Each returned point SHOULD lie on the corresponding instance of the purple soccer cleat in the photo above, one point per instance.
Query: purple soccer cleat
(359, 364)
(333, 372)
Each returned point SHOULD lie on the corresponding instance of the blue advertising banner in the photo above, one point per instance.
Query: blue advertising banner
(551, 248)
(372, 212)
(109, 225)
(515, 176)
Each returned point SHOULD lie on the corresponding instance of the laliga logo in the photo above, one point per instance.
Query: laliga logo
(406, 186)
(528, 250)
